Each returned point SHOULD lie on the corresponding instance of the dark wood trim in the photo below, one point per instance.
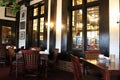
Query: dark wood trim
(53, 31)
(91, 4)
(65, 26)
(69, 29)
(26, 2)
(84, 27)
(104, 27)
(17, 27)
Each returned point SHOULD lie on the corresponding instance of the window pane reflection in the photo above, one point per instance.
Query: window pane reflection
(77, 29)
(76, 2)
(93, 28)
(91, 0)
(35, 21)
(41, 28)
(35, 12)
(42, 9)
(34, 37)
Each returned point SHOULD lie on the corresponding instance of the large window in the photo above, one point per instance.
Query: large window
(85, 24)
(38, 24)
(76, 2)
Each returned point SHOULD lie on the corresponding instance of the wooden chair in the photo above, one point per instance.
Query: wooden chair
(52, 62)
(35, 48)
(31, 61)
(3, 55)
(15, 64)
(43, 61)
(77, 69)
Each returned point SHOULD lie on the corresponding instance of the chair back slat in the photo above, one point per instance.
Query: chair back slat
(77, 68)
(31, 59)
(35, 48)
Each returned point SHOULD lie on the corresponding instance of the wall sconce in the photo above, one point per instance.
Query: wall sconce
(51, 25)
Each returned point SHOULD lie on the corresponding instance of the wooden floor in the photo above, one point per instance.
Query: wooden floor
(52, 75)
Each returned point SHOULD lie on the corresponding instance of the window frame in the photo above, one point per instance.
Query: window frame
(84, 7)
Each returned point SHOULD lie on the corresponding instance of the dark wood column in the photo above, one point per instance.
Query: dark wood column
(104, 27)
(65, 26)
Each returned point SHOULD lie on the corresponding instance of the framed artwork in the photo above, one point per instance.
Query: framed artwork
(9, 12)
(22, 25)
(22, 15)
(22, 35)
(6, 34)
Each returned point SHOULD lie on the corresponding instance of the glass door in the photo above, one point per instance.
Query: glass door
(93, 28)
(77, 27)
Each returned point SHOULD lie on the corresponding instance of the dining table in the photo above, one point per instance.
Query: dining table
(107, 68)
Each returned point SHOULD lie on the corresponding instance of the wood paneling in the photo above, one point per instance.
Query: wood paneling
(104, 27)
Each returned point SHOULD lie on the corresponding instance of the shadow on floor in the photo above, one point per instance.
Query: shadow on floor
(52, 75)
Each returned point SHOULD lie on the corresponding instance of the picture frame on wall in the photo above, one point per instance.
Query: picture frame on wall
(9, 12)
(22, 35)
(22, 15)
(22, 25)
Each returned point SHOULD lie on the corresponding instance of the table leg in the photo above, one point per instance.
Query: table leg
(16, 66)
(106, 75)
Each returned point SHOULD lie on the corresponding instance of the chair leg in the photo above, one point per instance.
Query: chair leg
(10, 72)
